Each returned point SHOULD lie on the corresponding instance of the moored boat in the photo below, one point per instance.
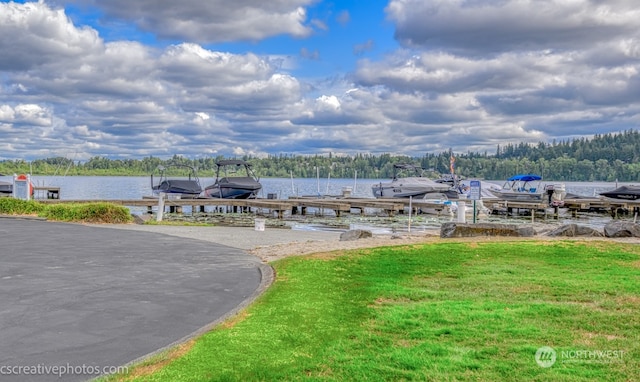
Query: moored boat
(6, 188)
(409, 181)
(628, 193)
(234, 180)
(521, 187)
(189, 187)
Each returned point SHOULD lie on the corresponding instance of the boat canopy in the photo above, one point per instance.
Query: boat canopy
(525, 178)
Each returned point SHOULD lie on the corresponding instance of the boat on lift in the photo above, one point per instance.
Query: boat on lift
(189, 187)
(235, 179)
(629, 193)
(6, 188)
(522, 187)
(409, 181)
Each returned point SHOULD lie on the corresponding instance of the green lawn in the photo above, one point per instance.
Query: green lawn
(442, 312)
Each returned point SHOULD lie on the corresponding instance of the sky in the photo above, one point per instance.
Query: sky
(132, 79)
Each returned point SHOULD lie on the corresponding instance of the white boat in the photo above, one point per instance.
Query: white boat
(460, 189)
(522, 187)
(457, 189)
(6, 188)
(408, 181)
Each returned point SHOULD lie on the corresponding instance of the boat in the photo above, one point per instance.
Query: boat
(6, 188)
(628, 193)
(457, 189)
(556, 194)
(409, 181)
(522, 187)
(234, 180)
(177, 187)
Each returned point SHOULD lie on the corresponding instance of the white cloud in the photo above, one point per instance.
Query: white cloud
(327, 103)
(481, 27)
(471, 75)
(212, 20)
(203, 116)
(25, 114)
(35, 35)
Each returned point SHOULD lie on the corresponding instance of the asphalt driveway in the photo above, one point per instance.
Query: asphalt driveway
(81, 300)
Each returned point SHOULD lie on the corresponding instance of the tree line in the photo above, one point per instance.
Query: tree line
(605, 157)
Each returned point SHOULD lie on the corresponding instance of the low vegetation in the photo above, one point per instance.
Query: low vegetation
(437, 312)
(76, 212)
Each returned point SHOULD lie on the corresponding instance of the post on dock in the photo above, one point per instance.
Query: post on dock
(410, 210)
(462, 210)
(475, 194)
(160, 206)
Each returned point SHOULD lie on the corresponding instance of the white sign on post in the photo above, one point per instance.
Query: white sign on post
(22, 187)
(475, 192)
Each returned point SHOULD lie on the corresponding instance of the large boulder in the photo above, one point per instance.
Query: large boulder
(355, 234)
(621, 228)
(573, 230)
(452, 229)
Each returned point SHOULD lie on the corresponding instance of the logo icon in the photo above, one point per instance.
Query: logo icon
(546, 356)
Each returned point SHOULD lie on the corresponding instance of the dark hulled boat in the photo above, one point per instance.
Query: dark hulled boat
(630, 193)
(177, 186)
(234, 180)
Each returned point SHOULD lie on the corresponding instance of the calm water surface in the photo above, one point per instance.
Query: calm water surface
(131, 187)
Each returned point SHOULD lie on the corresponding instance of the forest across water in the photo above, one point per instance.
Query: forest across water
(605, 158)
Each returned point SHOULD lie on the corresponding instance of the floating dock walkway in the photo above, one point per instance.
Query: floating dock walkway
(342, 205)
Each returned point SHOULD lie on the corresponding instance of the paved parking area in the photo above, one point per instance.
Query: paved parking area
(82, 299)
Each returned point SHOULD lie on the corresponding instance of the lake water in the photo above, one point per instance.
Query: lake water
(132, 187)
(135, 187)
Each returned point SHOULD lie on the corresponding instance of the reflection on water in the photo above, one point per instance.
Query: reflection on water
(135, 187)
(125, 187)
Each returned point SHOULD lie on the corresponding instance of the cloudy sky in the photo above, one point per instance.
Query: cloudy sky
(129, 79)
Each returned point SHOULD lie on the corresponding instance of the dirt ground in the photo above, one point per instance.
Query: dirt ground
(278, 251)
(273, 244)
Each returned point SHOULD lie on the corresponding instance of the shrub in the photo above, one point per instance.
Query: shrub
(89, 213)
(85, 212)
(12, 206)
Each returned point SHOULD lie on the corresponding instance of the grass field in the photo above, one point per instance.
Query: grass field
(437, 312)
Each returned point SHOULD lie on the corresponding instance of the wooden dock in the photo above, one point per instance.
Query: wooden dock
(613, 207)
(573, 206)
(279, 207)
(46, 192)
(339, 206)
